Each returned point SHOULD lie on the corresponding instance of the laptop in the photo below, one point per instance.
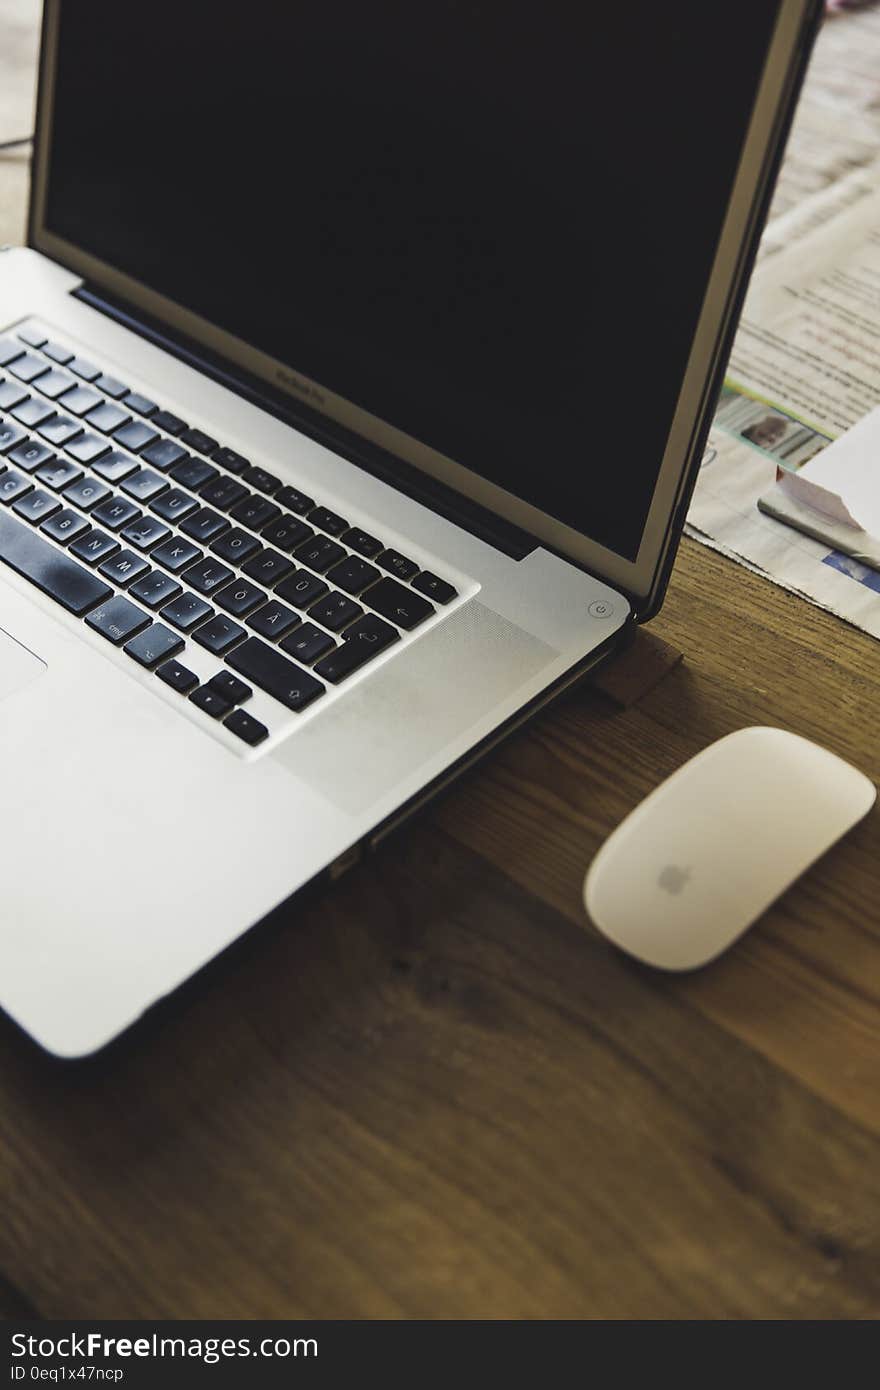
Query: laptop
(353, 384)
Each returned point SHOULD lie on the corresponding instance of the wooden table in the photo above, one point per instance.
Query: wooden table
(435, 1092)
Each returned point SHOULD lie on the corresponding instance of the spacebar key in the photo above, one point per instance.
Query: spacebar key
(273, 673)
(49, 569)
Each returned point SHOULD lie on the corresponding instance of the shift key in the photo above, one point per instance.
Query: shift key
(272, 672)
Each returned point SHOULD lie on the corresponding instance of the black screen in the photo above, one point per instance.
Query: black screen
(488, 223)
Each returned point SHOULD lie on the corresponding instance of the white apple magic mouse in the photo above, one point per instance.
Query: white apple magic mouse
(712, 847)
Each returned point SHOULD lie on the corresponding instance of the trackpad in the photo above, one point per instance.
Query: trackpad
(18, 666)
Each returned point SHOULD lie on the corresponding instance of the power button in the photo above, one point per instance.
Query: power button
(600, 609)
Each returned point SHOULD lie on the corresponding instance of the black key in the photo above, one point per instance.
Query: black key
(27, 367)
(177, 676)
(261, 480)
(223, 492)
(230, 687)
(210, 702)
(175, 554)
(60, 430)
(219, 634)
(11, 392)
(335, 611)
(55, 383)
(268, 567)
(141, 405)
(400, 605)
(352, 574)
(193, 473)
(371, 629)
(240, 597)
(287, 532)
(164, 453)
(319, 554)
(359, 648)
(207, 575)
(307, 643)
(10, 348)
(57, 352)
(86, 493)
(64, 526)
(134, 436)
(30, 454)
(272, 672)
(204, 525)
(34, 337)
(273, 620)
(87, 370)
(155, 589)
(236, 545)
(53, 572)
(32, 412)
(301, 589)
(294, 499)
(115, 466)
(58, 474)
(186, 611)
(13, 486)
(171, 424)
(198, 440)
(144, 484)
(80, 399)
(93, 547)
(231, 461)
(145, 532)
(36, 506)
(398, 564)
(428, 583)
(255, 512)
(87, 447)
(174, 505)
(124, 568)
(117, 620)
(115, 512)
(155, 643)
(106, 417)
(10, 435)
(246, 727)
(326, 520)
(110, 385)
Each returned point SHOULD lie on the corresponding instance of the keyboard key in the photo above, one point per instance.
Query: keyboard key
(204, 525)
(236, 545)
(371, 629)
(186, 611)
(219, 634)
(272, 672)
(34, 337)
(294, 499)
(301, 589)
(134, 436)
(428, 583)
(398, 564)
(193, 473)
(319, 554)
(287, 532)
(328, 521)
(171, 424)
(198, 440)
(268, 567)
(223, 493)
(307, 643)
(64, 526)
(155, 589)
(255, 512)
(106, 417)
(273, 620)
(10, 435)
(230, 687)
(352, 574)
(57, 352)
(210, 702)
(55, 383)
(231, 461)
(174, 505)
(80, 399)
(35, 506)
(110, 385)
(27, 367)
(30, 454)
(32, 412)
(58, 474)
(11, 392)
(10, 348)
(145, 532)
(115, 466)
(358, 649)
(246, 727)
(144, 484)
(86, 493)
(87, 370)
(175, 554)
(177, 676)
(124, 568)
(50, 569)
(240, 597)
(93, 547)
(13, 486)
(207, 575)
(117, 620)
(335, 611)
(115, 512)
(60, 430)
(87, 447)
(141, 405)
(261, 480)
(164, 453)
(156, 643)
(400, 605)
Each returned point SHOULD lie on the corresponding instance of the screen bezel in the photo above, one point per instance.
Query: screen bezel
(641, 579)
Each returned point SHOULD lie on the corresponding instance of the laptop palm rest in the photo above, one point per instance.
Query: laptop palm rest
(18, 666)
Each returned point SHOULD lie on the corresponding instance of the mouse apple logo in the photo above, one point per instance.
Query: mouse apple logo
(672, 879)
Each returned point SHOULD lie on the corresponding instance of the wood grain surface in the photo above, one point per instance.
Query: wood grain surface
(434, 1091)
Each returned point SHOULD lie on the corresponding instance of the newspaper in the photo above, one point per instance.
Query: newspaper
(806, 361)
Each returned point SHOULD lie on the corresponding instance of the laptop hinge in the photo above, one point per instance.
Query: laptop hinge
(480, 522)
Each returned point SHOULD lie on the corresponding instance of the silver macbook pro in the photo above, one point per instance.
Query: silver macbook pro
(352, 388)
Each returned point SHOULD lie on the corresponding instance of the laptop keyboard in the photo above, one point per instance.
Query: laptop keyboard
(158, 536)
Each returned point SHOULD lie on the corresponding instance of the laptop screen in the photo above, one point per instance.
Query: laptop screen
(488, 224)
